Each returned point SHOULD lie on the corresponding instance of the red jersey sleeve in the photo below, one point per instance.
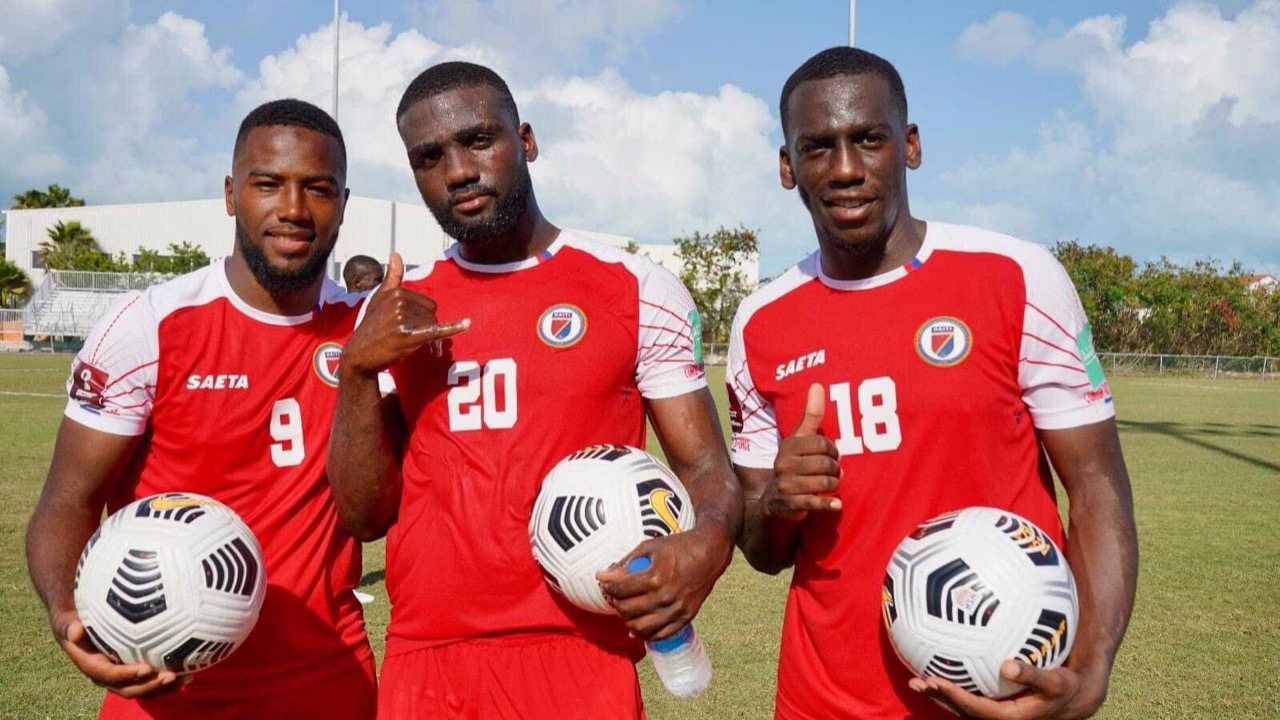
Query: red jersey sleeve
(113, 379)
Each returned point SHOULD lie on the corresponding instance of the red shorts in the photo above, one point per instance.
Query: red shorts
(523, 677)
(351, 695)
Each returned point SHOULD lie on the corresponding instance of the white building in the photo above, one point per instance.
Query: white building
(371, 227)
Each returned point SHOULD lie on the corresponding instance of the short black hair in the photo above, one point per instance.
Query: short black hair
(839, 61)
(297, 113)
(358, 263)
(453, 75)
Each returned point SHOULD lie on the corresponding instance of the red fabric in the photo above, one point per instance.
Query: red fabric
(518, 677)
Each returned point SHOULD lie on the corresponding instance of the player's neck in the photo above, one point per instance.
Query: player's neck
(247, 287)
(902, 245)
(531, 234)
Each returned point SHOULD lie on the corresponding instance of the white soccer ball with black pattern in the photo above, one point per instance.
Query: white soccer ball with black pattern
(597, 505)
(972, 588)
(173, 580)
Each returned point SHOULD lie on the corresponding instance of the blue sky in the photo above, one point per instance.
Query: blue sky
(1148, 126)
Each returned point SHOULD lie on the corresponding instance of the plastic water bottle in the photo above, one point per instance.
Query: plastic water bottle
(680, 660)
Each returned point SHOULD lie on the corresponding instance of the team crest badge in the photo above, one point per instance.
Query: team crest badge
(562, 325)
(943, 342)
(326, 361)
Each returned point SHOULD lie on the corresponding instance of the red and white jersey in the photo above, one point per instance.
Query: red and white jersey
(563, 350)
(236, 404)
(937, 376)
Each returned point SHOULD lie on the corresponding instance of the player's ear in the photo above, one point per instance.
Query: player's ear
(529, 141)
(229, 193)
(785, 172)
(915, 155)
(342, 211)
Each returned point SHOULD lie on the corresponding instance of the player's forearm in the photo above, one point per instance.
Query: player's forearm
(56, 536)
(1103, 553)
(717, 498)
(363, 462)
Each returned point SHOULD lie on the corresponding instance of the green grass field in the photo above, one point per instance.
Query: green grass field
(1205, 460)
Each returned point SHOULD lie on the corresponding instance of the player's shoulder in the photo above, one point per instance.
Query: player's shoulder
(778, 290)
(643, 269)
(1031, 257)
(422, 274)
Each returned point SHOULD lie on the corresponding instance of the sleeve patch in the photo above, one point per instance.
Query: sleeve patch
(88, 384)
(1092, 364)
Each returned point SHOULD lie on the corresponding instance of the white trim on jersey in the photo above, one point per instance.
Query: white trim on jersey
(121, 353)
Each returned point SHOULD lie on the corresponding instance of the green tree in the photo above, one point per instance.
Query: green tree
(15, 286)
(71, 246)
(1105, 280)
(54, 196)
(712, 272)
(182, 258)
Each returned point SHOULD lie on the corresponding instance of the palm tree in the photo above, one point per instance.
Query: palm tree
(71, 246)
(15, 286)
(55, 196)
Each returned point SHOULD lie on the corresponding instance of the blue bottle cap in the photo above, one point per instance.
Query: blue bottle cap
(639, 564)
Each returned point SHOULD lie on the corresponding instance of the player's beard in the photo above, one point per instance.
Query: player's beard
(507, 210)
(273, 279)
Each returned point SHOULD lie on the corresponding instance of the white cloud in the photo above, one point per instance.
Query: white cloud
(565, 29)
(612, 159)
(1178, 154)
(24, 140)
(1005, 37)
(33, 27)
(145, 79)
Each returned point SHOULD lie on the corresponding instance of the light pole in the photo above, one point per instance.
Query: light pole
(853, 16)
(336, 18)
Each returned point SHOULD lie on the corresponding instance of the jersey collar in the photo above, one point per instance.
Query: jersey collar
(239, 304)
(455, 253)
(884, 278)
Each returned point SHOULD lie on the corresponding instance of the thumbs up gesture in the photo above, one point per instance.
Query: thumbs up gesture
(806, 471)
(396, 322)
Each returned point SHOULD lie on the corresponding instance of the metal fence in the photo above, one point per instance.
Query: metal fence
(104, 282)
(1136, 363)
(1213, 365)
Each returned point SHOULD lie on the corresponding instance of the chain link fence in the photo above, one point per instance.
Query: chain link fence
(1204, 365)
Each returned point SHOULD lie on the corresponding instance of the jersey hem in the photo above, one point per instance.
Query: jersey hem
(1073, 417)
(670, 391)
(103, 423)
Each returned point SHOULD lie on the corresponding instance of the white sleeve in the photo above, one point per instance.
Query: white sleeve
(751, 417)
(1059, 371)
(113, 379)
(386, 383)
(669, 356)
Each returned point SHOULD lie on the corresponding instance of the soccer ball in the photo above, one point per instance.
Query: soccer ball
(595, 506)
(972, 588)
(174, 580)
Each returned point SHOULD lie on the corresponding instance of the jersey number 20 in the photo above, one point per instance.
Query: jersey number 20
(482, 396)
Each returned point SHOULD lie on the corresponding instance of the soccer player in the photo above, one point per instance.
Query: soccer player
(903, 370)
(569, 344)
(222, 382)
(362, 273)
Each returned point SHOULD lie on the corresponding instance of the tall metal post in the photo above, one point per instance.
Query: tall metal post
(853, 16)
(336, 21)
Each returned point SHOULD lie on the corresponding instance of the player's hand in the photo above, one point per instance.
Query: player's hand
(806, 470)
(131, 681)
(1058, 694)
(657, 602)
(396, 323)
